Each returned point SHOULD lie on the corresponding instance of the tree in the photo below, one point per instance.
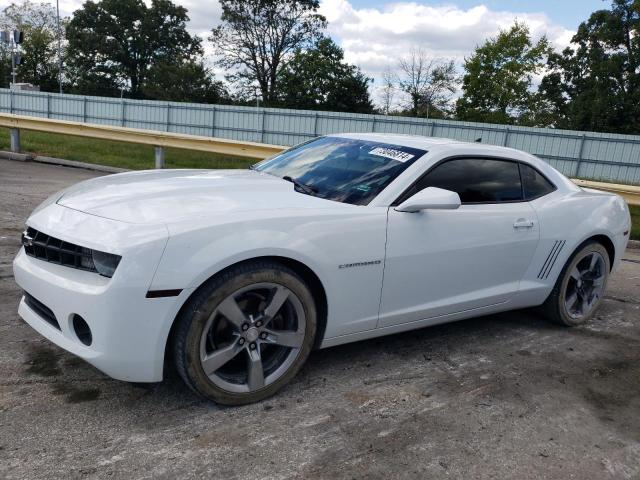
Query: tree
(40, 64)
(256, 36)
(428, 82)
(388, 90)
(188, 82)
(319, 78)
(498, 78)
(595, 83)
(115, 44)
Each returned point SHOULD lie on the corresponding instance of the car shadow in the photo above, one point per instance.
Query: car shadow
(416, 356)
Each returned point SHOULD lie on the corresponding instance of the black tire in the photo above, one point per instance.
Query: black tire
(194, 315)
(554, 307)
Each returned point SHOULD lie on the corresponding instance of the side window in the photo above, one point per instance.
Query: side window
(476, 180)
(534, 184)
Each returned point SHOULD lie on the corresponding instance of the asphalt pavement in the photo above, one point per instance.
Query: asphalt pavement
(502, 396)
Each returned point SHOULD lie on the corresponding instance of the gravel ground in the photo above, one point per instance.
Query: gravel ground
(503, 396)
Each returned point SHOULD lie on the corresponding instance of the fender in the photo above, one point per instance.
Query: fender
(315, 239)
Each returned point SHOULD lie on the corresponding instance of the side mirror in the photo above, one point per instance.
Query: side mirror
(431, 198)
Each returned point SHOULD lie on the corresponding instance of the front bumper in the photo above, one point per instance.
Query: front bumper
(129, 331)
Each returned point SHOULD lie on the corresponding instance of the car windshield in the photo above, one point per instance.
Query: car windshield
(341, 169)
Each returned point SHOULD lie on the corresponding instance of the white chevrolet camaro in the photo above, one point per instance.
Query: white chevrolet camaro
(236, 275)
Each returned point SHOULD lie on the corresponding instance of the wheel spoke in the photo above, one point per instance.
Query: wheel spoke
(575, 274)
(255, 378)
(218, 358)
(584, 305)
(231, 310)
(594, 261)
(285, 338)
(571, 301)
(277, 300)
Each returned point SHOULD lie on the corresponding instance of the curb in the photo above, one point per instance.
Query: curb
(634, 244)
(19, 157)
(74, 164)
(26, 157)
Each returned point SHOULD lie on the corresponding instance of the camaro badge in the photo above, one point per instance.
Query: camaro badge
(360, 264)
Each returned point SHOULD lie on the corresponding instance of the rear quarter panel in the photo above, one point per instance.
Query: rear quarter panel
(566, 220)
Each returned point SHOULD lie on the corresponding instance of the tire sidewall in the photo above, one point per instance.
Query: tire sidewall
(566, 274)
(203, 311)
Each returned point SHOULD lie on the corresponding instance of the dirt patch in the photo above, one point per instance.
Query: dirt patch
(74, 394)
(42, 360)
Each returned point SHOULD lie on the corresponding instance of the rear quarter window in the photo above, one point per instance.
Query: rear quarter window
(534, 184)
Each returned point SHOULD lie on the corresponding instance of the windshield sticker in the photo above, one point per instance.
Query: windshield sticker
(392, 154)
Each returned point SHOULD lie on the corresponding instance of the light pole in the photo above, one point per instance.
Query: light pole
(59, 44)
(13, 63)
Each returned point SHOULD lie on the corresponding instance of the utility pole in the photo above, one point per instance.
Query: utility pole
(59, 45)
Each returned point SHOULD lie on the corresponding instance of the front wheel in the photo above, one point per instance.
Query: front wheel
(245, 333)
(580, 286)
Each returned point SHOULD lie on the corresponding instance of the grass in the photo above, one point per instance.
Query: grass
(116, 154)
(635, 222)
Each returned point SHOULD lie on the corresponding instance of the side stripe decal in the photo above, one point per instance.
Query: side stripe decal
(163, 293)
(558, 245)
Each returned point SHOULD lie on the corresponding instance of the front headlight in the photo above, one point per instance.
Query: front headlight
(105, 263)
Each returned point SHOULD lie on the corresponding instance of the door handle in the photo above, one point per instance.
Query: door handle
(523, 223)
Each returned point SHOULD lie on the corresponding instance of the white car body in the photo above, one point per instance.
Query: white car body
(381, 270)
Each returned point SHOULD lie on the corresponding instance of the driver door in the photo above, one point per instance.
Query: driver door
(442, 262)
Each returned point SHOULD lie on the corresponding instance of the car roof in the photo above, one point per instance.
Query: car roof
(429, 143)
(414, 141)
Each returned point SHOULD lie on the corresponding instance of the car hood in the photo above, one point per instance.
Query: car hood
(160, 196)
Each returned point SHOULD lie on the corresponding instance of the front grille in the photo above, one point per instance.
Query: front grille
(42, 310)
(51, 249)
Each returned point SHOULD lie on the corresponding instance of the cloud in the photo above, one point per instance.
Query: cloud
(67, 7)
(203, 15)
(375, 38)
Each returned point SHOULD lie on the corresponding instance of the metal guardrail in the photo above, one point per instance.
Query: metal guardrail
(630, 193)
(161, 140)
(607, 157)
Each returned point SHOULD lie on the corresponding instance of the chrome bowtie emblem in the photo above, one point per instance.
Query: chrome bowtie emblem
(27, 241)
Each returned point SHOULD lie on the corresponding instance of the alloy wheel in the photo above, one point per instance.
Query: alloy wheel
(252, 337)
(585, 285)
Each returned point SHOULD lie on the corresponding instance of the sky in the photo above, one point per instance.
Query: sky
(566, 12)
(375, 34)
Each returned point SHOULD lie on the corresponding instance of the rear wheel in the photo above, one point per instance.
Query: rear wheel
(245, 333)
(580, 286)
